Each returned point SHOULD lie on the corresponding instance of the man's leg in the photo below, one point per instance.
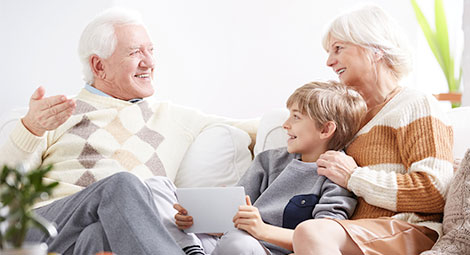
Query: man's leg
(164, 195)
(123, 206)
(93, 234)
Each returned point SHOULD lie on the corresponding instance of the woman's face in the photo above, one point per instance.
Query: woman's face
(350, 62)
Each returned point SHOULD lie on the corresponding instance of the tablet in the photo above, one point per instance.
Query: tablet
(212, 208)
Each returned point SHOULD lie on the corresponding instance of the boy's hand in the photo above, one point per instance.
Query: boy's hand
(249, 219)
(182, 219)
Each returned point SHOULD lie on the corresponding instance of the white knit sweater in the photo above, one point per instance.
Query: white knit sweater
(105, 136)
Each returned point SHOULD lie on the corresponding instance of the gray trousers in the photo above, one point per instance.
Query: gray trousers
(115, 214)
(236, 242)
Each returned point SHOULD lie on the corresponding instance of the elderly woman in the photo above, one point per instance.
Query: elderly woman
(399, 164)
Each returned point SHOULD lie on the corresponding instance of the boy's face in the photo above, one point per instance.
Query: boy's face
(304, 135)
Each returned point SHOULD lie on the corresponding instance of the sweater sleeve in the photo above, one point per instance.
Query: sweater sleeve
(335, 202)
(22, 147)
(412, 171)
(255, 179)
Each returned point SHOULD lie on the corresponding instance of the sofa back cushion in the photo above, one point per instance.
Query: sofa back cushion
(218, 157)
(271, 134)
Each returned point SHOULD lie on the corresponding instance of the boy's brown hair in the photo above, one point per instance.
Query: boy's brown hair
(331, 101)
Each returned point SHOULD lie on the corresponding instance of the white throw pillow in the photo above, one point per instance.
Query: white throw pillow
(460, 120)
(218, 157)
(270, 134)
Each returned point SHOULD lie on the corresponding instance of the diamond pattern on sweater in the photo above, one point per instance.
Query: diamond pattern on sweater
(127, 159)
(146, 111)
(84, 128)
(82, 107)
(155, 165)
(86, 179)
(89, 156)
(118, 131)
(151, 137)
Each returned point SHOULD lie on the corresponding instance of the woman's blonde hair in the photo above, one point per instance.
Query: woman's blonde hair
(331, 101)
(373, 29)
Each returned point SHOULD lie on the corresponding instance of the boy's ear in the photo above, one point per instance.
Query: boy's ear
(328, 130)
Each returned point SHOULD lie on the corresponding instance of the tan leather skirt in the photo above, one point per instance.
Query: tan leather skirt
(389, 236)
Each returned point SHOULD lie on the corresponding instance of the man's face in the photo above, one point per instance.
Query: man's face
(129, 70)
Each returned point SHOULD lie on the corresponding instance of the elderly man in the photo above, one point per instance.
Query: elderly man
(103, 141)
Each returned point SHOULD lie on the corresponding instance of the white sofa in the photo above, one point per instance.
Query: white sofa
(221, 154)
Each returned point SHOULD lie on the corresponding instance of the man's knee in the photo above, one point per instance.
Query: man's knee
(124, 184)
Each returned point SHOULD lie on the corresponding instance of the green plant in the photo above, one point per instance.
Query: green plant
(438, 41)
(18, 192)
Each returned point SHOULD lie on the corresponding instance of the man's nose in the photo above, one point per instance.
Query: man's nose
(149, 60)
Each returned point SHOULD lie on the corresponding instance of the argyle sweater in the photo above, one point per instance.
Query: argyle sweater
(405, 161)
(105, 136)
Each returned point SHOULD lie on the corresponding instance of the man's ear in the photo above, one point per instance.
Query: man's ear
(97, 67)
(328, 130)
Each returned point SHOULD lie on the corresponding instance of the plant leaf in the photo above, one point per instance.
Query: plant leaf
(442, 36)
(428, 33)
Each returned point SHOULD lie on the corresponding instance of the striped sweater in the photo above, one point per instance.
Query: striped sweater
(405, 161)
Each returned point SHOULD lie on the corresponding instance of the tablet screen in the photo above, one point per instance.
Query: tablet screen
(212, 208)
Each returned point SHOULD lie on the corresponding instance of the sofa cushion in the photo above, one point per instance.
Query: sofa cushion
(219, 156)
(271, 134)
(460, 121)
(456, 224)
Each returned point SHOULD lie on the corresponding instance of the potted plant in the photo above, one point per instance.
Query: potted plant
(19, 190)
(438, 41)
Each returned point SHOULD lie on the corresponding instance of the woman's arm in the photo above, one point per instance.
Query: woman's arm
(406, 166)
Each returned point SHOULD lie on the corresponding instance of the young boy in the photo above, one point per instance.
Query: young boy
(283, 183)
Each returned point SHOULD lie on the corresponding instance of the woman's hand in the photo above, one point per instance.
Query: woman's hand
(337, 167)
(182, 219)
(249, 219)
(48, 113)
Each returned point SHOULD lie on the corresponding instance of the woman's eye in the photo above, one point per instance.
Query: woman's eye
(135, 52)
(338, 48)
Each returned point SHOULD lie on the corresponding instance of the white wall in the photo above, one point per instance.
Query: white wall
(233, 58)
(466, 55)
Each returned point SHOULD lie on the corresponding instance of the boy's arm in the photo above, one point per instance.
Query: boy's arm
(249, 219)
(255, 179)
(335, 202)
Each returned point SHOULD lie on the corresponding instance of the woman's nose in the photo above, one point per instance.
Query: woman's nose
(330, 61)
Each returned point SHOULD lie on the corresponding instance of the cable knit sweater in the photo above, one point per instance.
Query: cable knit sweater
(105, 136)
(405, 159)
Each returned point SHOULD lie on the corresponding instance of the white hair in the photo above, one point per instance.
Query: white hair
(373, 29)
(99, 36)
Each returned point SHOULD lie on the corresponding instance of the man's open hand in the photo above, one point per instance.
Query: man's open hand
(47, 113)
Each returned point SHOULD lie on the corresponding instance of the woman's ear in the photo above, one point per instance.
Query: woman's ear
(97, 66)
(378, 55)
(328, 130)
